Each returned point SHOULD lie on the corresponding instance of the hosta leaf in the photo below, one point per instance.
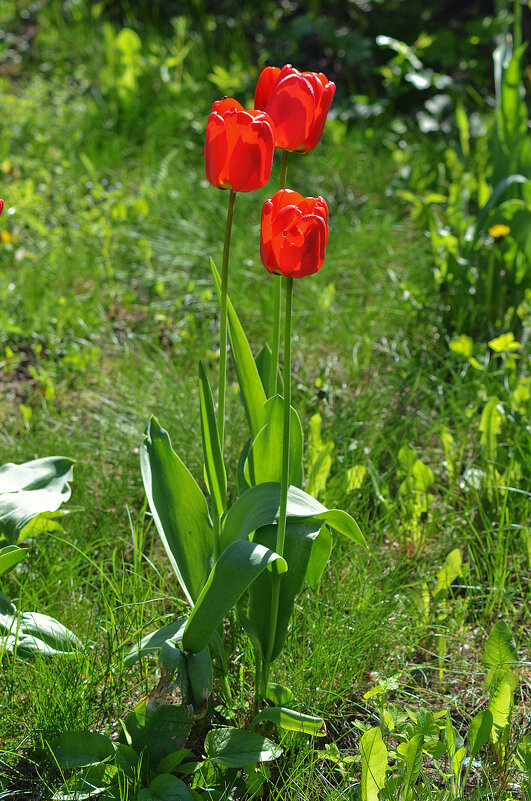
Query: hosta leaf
(28, 489)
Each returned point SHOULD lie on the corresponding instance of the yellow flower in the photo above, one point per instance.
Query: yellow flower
(5, 237)
(499, 231)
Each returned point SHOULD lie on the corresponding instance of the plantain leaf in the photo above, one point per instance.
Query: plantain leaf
(500, 648)
(28, 489)
(237, 567)
(264, 462)
(165, 787)
(214, 466)
(251, 388)
(297, 548)
(236, 748)
(79, 749)
(479, 731)
(291, 720)
(373, 764)
(413, 763)
(260, 506)
(179, 510)
(161, 730)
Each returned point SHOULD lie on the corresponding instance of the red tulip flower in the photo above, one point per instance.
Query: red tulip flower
(239, 147)
(297, 102)
(1, 206)
(294, 234)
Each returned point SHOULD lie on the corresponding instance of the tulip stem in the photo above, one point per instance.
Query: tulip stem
(277, 292)
(223, 322)
(284, 484)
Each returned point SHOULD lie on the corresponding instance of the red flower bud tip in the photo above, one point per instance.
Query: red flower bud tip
(297, 102)
(239, 147)
(1, 205)
(294, 234)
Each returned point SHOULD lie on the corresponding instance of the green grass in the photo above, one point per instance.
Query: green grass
(106, 307)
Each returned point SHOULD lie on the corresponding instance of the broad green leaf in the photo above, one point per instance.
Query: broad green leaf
(263, 365)
(260, 506)
(179, 510)
(10, 556)
(413, 760)
(373, 764)
(279, 694)
(160, 730)
(170, 762)
(450, 736)
(79, 749)
(90, 782)
(457, 760)
(490, 427)
(451, 569)
(264, 462)
(127, 759)
(214, 466)
(319, 458)
(479, 731)
(251, 388)
(500, 648)
(321, 550)
(153, 642)
(165, 787)
(237, 567)
(236, 748)
(34, 634)
(291, 720)
(28, 489)
(50, 631)
(501, 706)
(297, 548)
(199, 668)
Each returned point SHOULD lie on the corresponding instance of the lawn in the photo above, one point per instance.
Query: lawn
(108, 305)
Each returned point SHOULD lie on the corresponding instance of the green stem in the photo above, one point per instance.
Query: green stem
(284, 484)
(223, 322)
(490, 283)
(277, 291)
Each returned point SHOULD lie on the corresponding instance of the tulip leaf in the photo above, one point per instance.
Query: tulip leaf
(153, 642)
(264, 462)
(263, 365)
(297, 548)
(251, 388)
(237, 567)
(291, 720)
(214, 466)
(27, 490)
(34, 634)
(321, 550)
(10, 556)
(179, 510)
(260, 506)
(237, 748)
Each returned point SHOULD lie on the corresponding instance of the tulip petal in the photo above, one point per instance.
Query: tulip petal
(291, 107)
(265, 85)
(216, 149)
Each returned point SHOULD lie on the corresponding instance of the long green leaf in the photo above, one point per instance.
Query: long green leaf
(291, 720)
(497, 193)
(214, 466)
(153, 642)
(479, 732)
(28, 489)
(373, 764)
(179, 510)
(297, 548)
(10, 556)
(413, 764)
(260, 506)
(264, 462)
(252, 391)
(237, 567)
(321, 550)
(512, 116)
